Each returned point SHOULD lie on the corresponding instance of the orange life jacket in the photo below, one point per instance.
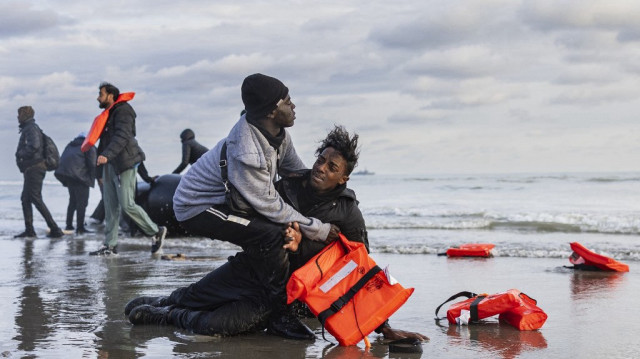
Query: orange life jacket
(583, 256)
(513, 307)
(347, 291)
(471, 250)
(100, 121)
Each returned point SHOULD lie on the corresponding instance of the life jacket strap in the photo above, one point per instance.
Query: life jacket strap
(474, 308)
(466, 294)
(345, 298)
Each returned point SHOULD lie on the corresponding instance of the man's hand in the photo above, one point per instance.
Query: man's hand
(333, 234)
(292, 237)
(395, 334)
(102, 160)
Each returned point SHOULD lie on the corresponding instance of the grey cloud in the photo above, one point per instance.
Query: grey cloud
(18, 18)
(592, 96)
(629, 35)
(622, 18)
(420, 34)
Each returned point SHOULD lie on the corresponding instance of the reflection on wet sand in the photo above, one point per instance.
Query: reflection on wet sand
(32, 322)
(586, 283)
(500, 339)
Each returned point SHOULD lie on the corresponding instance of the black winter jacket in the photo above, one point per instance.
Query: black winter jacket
(342, 211)
(29, 152)
(77, 166)
(191, 151)
(118, 140)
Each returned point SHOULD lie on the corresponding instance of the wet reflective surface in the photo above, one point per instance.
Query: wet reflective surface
(60, 302)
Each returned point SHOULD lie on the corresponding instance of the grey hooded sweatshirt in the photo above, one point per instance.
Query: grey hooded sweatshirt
(252, 169)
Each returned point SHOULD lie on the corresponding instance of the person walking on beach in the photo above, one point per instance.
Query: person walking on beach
(191, 150)
(30, 160)
(77, 172)
(120, 154)
(247, 161)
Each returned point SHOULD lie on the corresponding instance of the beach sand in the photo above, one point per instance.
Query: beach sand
(60, 302)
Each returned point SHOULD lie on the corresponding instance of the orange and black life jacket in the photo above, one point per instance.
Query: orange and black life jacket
(347, 291)
(513, 307)
(100, 121)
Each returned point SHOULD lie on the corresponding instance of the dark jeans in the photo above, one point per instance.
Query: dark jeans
(229, 300)
(261, 241)
(78, 200)
(32, 194)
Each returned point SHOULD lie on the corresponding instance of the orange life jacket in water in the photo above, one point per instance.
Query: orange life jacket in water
(583, 256)
(471, 250)
(513, 307)
(347, 291)
(100, 121)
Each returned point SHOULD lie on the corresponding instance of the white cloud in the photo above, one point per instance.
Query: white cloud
(439, 86)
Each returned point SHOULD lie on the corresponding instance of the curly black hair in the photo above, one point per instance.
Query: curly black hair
(339, 140)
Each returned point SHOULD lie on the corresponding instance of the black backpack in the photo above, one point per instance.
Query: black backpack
(50, 152)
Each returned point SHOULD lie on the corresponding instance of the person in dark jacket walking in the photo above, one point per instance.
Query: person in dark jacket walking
(231, 299)
(30, 160)
(77, 172)
(191, 150)
(120, 154)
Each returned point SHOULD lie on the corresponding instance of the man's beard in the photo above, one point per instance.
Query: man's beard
(103, 105)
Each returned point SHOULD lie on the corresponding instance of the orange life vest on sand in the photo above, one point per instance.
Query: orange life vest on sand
(347, 291)
(471, 250)
(583, 256)
(513, 307)
(100, 121)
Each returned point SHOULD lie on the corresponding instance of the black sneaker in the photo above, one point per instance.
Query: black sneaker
(148, 314)
(26, 234)
(136, 302)
(55, 233)
(158, 239)
(105, 251)
(289, 326)
(69, 228)
(83, 230)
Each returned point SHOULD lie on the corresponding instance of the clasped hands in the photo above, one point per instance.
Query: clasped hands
(293, 236)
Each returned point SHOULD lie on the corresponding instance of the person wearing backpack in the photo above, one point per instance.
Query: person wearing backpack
(77, 172)
(30, 159)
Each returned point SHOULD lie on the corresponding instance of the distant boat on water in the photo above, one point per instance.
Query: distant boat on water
(363, 172)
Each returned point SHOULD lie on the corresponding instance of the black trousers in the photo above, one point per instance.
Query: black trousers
(228, 301)
(78, 201)
(261, 240)
(32, 194)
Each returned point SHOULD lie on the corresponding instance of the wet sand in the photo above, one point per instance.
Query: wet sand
(60, 302)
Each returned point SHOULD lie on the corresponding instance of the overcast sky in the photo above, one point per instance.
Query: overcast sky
(430, 86)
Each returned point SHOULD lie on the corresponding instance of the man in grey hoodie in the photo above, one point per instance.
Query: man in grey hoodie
(258, 149)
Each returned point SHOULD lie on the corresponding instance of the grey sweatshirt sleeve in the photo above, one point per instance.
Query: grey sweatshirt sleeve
(257, 187)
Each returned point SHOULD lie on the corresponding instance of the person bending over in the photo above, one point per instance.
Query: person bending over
(232, 299)
(191, 150)
(246, 163)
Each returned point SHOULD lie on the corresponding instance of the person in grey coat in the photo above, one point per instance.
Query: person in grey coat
(77, 172)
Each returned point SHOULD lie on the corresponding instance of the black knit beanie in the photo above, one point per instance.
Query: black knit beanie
(260, 94)
(187, 134)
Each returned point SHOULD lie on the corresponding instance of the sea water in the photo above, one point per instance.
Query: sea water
(527, 215)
